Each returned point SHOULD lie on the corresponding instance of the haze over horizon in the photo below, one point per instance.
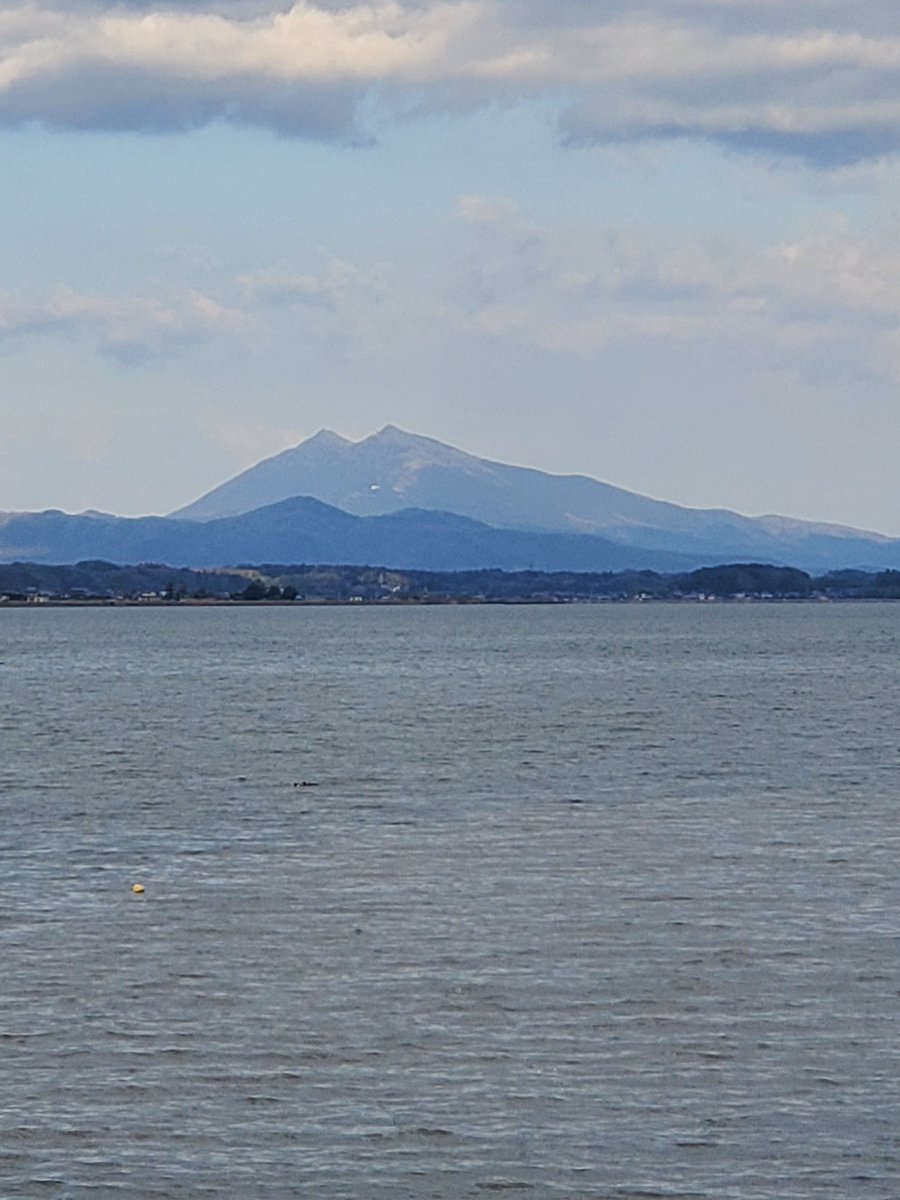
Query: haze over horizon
(656, 245)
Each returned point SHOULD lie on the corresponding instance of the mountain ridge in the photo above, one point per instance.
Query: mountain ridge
(305, 529)
(428, 506)
(391, 469)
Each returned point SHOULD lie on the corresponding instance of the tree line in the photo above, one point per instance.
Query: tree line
(278, 583)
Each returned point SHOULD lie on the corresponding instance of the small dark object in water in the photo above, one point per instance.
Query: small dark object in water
(306, 783)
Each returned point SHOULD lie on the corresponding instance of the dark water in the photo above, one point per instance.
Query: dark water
(588, 902)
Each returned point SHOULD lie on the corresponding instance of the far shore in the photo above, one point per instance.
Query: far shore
(440, 601)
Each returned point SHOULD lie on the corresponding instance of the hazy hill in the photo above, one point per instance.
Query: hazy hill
(302, 529)
(446, 511)
(393, 470)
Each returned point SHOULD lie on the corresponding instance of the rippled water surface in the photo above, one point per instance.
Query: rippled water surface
(595, 902)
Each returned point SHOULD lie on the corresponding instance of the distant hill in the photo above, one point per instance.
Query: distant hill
(97, 579)
(302, 529)
(393, 470)
(267, 582)
(425, 506)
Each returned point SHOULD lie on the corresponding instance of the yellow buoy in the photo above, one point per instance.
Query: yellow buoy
(138, 888)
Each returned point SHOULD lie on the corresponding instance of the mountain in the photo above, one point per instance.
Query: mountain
(398, 500)
(304, 530)
(394, 470)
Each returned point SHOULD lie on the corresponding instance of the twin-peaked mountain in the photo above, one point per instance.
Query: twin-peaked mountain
(400, 500)
(393, 470)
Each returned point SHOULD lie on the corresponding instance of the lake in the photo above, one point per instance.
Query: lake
(594, 902)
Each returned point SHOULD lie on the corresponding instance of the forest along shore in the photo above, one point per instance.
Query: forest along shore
(101, 583)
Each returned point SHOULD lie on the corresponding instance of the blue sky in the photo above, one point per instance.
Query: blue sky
(657, 243)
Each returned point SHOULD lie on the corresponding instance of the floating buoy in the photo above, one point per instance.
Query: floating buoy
(137, 888)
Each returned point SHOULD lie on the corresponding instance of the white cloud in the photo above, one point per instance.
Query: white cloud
(129, 327)
(331, 285)
(483, 210)
(830, 297)
(818, 78)
(334, 300)
(494, 275)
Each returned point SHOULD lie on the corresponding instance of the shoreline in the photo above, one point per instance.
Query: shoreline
(443, 602)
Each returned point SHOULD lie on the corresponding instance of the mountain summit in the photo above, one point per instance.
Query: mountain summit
(392, 470)
(382, 473)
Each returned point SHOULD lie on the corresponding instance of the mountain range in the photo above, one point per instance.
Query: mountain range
(402, 500)
(304, 530)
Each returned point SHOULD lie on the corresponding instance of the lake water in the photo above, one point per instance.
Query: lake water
(595, 902)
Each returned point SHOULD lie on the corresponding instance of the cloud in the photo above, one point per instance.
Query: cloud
(483, 210)
(816, 79)
(329, 284)
(333, 299)
(130, 329)
(825, 302)
(497, 282)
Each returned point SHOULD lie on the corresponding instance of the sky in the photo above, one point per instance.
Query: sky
(657, 243)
